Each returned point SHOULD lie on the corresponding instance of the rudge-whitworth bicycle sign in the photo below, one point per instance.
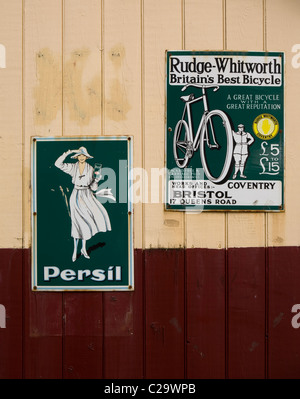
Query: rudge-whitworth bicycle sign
(224, 131)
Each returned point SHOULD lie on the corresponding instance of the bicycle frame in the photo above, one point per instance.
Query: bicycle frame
(196, 140)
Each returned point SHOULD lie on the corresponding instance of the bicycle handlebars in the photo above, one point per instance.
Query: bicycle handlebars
(200, 86)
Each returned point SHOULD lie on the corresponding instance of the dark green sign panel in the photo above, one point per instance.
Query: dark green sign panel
(82, 213)
(224, 131)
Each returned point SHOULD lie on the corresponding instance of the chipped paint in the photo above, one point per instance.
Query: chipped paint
(117, 105)
(278, 319)
(48, 92)
(66, 199)
(83, 99)
(171, 223)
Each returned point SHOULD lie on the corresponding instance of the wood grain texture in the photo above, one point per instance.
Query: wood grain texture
(244, 25)
(42, 85)
(124, 328)
(82, 115)
(284, 343)
(246, 270)
(83, 335)
(203, 30)
(82, 67)
(246, 313)
(162, 30)
(42, 330)
(216, 301)
(283, 229)
(164, 314)
(245, 229)
(42, 110)
(205, 313)
(11, 124)
(122, 87)
(11, 295)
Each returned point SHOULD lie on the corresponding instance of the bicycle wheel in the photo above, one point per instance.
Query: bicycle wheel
(219, 120)
(180, 144)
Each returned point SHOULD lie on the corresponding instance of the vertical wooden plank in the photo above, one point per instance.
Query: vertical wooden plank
(83, 331)
(207, 36)
(246, 267)
(11, 188)
(284, 347)
(42, 345)
(124, 329)
(42, 106)
(205, 291)
(42, 94)
(122, 87)
(245, 229)
(240, 34)
(11, 299)
(246, 313)
(162, 30)
(205, 268)
(11, 124)
(283, 229)
(164, 269)
(123, 312)
(164, 307)
(82, 55)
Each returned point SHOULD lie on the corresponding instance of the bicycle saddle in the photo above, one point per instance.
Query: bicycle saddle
(190, 97)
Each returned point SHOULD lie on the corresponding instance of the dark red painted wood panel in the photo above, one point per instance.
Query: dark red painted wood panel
(42, 343)
(205, 313)
(164, 313)
(186, 318)
(284, 292)
(83, 335)
(246, 313)
(11, 298)
(124, 328)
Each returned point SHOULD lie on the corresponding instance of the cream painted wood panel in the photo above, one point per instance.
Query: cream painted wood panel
(204, 26)
(11, 124)
(98, 67)
(162, 30)
(122, 86)
(82, 72)
(283, 32)
(245, 31)
(245, 25)
(42, 83)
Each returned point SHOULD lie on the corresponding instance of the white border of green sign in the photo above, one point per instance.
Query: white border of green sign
(224, 133)
(113, 280)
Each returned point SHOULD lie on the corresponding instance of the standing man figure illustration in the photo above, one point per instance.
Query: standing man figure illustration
(240, 153)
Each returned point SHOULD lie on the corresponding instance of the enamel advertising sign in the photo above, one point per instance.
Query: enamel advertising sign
(224, 131)
(82, 214)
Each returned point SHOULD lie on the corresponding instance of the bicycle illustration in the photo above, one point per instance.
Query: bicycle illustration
(185, 142)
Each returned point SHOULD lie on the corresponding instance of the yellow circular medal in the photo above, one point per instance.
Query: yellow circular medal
(265, 126)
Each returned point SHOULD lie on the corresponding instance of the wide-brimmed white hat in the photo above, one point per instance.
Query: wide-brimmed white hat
(81, 151)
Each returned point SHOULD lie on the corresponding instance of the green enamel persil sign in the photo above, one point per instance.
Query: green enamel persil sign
(82, 236)
(224, 131)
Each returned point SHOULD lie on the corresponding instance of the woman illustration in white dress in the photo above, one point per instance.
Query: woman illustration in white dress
(88, 215)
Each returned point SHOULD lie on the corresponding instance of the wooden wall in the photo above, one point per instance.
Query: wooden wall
(213, 291)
